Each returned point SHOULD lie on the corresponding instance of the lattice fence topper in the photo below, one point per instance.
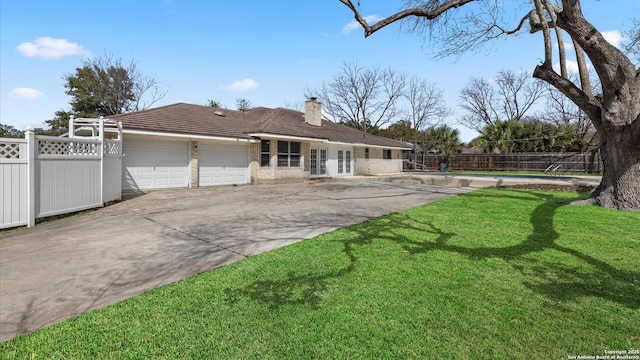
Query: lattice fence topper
(111, 147)
(66, 147)
(10, 150)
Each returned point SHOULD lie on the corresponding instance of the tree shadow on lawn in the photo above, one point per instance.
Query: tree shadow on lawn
(557, 281)
(296, 289)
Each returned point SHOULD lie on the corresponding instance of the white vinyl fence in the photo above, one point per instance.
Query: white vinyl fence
(43, 175)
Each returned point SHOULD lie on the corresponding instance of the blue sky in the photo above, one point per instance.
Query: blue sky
(268, 52)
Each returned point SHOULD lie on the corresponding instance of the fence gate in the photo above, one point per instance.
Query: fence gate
(13, 182)
(44, 175)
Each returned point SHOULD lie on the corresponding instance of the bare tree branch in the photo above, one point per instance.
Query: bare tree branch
(586, 103)
(615, 112)
(428, 13)
(511, 99)
(365, 99)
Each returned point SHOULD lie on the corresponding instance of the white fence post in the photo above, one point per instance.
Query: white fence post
(72, 127)
(102, 158)
(30, 136)
(44, 175)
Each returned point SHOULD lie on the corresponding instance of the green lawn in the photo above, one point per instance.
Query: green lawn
(494, 274)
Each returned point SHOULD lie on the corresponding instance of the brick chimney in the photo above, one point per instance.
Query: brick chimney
(312, 112)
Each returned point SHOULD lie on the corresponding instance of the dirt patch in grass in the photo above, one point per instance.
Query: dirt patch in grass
(552, 187)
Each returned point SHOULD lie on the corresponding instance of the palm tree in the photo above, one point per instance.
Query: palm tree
(444, 140)
(501, 137)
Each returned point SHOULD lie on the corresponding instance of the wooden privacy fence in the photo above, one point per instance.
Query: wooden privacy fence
(43, 175)
(588, 163)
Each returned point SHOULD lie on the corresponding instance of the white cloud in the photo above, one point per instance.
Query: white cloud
(614, 37)
(242, 85)
(355, 25)
(51, 49)
(25, 93)
(572, 66)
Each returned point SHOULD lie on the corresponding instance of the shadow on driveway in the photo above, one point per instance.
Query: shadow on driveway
(68, 267)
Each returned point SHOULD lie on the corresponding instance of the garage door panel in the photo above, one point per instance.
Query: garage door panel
(223, 164)
(152, 164)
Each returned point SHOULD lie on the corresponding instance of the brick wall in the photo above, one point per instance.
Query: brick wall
(271, 173)
(376, 164)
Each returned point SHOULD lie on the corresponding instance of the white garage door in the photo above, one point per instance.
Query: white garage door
(223, 164)
(155, 164)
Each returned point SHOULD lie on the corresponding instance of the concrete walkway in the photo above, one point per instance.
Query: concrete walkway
(483, 180)
(64, 268)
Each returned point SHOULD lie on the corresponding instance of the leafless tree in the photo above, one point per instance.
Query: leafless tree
(125, 87)
(243, 104)
(633, 36)
(426, 107)
(510, 98)
(559, 110)
(459, 26)
(365, 99)
(296, 105)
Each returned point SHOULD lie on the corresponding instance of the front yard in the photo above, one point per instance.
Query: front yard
(490, 274)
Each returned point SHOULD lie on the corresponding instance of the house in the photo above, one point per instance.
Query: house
(184, 145)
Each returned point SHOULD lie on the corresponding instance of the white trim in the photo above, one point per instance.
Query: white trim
(286, 137)
(325, 141)
(365, 145)
(188, 136)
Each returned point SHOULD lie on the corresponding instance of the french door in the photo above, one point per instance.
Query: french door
(318, 164)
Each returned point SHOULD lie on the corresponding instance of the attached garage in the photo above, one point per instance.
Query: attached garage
(155, 164)
(223, 164)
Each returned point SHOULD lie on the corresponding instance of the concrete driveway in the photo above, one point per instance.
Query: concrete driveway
(71, 266)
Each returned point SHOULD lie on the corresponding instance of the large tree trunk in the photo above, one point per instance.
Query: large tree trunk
(620, 185)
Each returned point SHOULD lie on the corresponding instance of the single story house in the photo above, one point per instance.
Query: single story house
(184, 145)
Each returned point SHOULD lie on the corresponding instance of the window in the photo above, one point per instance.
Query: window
(348, 161)
(366, 153)
(340, 161)
(386, 154)
(265, 153)
(288, 153)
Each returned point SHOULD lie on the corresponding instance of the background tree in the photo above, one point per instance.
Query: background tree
(559, 110)
(457, 26)
(633, 46)
(365, 99)
(510, 98)
(401, 130)
(443, 140)
(106, 86)
(214, 103)
(294, 105)
(501, 137)
(9, 131)
(426, 107)
(530, 135)
(243, 104)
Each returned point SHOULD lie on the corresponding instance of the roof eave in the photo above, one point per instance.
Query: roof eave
(187, 136)
(286, 137)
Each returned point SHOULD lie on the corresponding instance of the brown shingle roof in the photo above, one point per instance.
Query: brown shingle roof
(187, 119)
(206, 121)
(290, 122)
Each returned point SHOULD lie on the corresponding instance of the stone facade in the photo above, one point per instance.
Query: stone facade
(273, 173)
(376, 164)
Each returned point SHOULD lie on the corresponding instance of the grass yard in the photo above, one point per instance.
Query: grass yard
(492, 274)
